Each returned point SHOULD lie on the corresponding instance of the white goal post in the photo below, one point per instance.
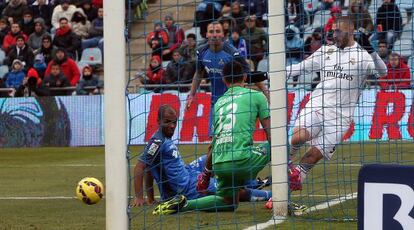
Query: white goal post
(278, 109)
(116, 165)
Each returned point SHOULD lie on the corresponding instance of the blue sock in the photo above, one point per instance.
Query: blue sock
(259, 195)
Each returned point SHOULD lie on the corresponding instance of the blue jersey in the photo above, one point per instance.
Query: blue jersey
(164, 161)
(213, 63)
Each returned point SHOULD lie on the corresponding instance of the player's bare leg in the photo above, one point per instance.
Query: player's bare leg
(300, 136)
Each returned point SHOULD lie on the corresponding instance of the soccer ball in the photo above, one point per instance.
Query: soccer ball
(89, 190)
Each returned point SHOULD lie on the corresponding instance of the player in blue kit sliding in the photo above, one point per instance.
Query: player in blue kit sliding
(162, 161)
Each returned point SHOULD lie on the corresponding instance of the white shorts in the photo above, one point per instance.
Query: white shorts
(326, 128)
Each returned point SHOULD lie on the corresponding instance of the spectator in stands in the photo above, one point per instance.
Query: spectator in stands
(35, 39)
(205, 15)
(14, 78)
(97, 3)
(66, 39)
(397, 70)
(238, 14)
(95, 33)
(14, 10)
(383, 50)
(256, 40)
(188, 49)
(154, 73)
(238, 42)
(314, 42)
(229, 24)
(67, 65)
(80, 25)
(158, 39)
(3, 4)
(389, 22)
(176, 37)
(294, 45)
(90, 11)
(10, 38)
(22, 52)
(179, 71)
(33, 85)
(42, 9)
(297, 14)
(361, 16)
(63, 10)
(27, 23)
(256, 7)
(4, 29)
(46, 51)
(335, 12)
(89, 80)
(328, 4)
(56, 79)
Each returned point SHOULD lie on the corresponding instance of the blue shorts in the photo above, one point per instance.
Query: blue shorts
(196, 167)
(211, 122)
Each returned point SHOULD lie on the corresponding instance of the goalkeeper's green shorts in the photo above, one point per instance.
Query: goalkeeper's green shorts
(233, 175)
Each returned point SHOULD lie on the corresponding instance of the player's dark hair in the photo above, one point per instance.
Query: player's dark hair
(193, 36)
(216, 23)
(345, 19)
(383, 41)
(233, 72)
(163, 109)
(63, 19)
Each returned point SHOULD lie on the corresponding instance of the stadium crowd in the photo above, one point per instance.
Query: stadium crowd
(308, 27)
(48, 44)
(37, 34)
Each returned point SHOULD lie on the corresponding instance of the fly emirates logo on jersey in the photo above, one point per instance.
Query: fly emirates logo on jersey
(338, 72)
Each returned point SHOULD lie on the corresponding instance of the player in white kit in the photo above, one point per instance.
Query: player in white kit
(327, 116)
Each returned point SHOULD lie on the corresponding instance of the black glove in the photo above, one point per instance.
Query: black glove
(363, 40)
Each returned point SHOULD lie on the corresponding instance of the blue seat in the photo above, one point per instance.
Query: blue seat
(403, 47)
(321, 18)
(263, 65)
(2, 56)
(4, 69)
(92, 56)
(81, 65)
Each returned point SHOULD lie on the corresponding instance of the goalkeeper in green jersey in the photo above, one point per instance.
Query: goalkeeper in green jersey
(233, 158)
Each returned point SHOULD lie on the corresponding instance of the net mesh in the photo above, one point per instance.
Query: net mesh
(380, 130)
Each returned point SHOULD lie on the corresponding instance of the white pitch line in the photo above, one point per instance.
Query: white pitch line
(325, 205)
(316, 195)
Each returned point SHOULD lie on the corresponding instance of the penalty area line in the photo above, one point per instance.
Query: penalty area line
(321, 206)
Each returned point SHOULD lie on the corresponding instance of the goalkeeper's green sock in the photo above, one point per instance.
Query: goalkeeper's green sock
(208, 203)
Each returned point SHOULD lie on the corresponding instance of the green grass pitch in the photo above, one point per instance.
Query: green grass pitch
(37, 190)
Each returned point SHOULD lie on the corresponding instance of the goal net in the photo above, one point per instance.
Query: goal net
(372, 122)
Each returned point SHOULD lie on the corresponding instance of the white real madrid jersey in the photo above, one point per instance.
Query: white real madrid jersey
(343, 73)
